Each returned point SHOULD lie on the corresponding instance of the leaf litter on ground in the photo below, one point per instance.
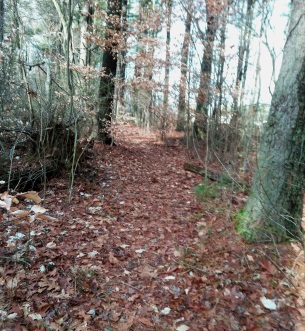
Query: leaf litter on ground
(137, 251)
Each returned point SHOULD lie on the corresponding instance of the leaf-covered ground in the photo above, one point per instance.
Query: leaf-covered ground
(136, 250)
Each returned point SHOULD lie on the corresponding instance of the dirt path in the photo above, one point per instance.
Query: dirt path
(136, 251)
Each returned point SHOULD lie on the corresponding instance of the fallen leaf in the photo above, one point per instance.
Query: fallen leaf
(267, 303)
(148, 272)
(91, 312)
(182, 328)
(12, 283)
(126, 326)
(8, 201)
(46, 217)
(302, 312)
(299, 326)
(38, 209)
(3, 204)
(165, 311)
(11, 316)
(34, 316)
(113, 259)
(169, 278)
(93, 253)
(51, 244)
(133, 297)
(20, 213)
(145, 321)
(32, 195)
(250, 258)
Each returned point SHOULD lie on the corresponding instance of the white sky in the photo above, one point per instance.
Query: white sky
(276, 40)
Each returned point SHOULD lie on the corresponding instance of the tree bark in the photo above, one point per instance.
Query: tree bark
(274, 208)
(203, 98)
(63, 21)
(183, 72)
(1, 20)
(107, 84)
(86, 23)
(144, 63)
(122, 63)
(242, 66)
(169, 7)
(213, 176)
(201, 171)
(221, 62)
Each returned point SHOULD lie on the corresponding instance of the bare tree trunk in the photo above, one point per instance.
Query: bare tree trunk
(274, 208)
(183, 72)
(121, 66)
(2, 70)
(107, 84)
(1, 20)
(242, 66)
(169, 6)
(221, 62)
(203, 98)
(86, 23)
(143, 98)
(62, 20)
(251, 115)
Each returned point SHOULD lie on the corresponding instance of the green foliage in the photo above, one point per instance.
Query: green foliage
(251, 231)
(225, 180)
(205, 191)
(200, 134)
(242, 226)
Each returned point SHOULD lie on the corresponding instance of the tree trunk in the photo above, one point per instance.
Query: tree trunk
(203, 98)
(2, 68)
(183, 71)
(221, 62)
(1, 21)
(169, 7)
(250, 116)
(144, 63)
(122, 63)
(242, 66)
(107, 85)
(63, 22)
(274, 208)
(86, 23)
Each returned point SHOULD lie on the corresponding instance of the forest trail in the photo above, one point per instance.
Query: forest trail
(135, 251)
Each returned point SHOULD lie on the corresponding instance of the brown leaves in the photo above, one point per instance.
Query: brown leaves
(158, 260)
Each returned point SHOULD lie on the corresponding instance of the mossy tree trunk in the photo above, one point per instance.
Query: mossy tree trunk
(274, 208)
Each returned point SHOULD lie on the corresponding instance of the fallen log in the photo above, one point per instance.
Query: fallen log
(26, 179)
(201, 171)
(213, 176)
(41, 156)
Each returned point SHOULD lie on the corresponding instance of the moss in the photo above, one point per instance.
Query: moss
(242, 227)
(225, 180)
(205, 191)
(251, 231)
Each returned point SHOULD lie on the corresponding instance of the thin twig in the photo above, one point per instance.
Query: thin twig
(278, 267)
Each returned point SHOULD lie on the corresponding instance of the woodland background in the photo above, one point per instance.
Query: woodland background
(69, 68)
(112, 112)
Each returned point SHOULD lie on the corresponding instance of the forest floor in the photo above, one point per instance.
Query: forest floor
(137, 250)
